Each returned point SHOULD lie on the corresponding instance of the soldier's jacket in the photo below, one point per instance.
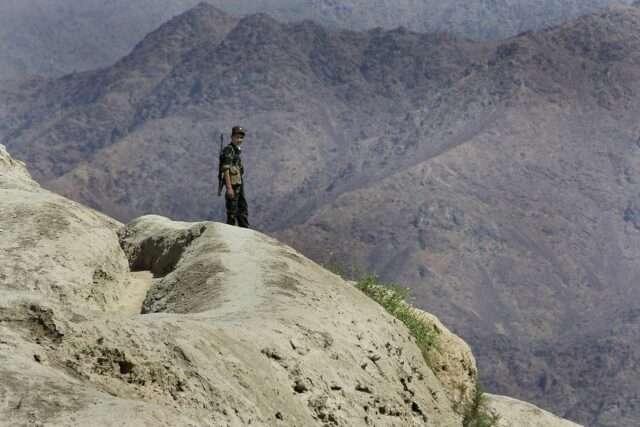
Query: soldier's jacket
(232, 162)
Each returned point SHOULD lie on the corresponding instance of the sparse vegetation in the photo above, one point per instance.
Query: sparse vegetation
(475, 412)
(392, 298)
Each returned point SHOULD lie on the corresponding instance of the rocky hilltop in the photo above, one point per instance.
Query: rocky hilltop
(499, 179)
(218, 326)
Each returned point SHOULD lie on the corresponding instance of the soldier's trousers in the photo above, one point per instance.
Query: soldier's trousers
(237, 210)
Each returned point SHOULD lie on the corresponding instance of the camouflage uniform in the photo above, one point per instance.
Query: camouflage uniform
(237, 210)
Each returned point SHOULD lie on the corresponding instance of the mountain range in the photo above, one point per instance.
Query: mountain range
(475, 19)
(55, 37)
(498, 179)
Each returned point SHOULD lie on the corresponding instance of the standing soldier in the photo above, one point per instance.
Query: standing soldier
(232, 173)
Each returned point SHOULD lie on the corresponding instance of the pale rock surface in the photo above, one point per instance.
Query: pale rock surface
(61, 268)
(452, 361)
(515, 413)
(237, 328)
(309, 346)
(455, 366)
(13, 173)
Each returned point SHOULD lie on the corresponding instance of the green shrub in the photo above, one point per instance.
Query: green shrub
(475, 412)
(392, 298)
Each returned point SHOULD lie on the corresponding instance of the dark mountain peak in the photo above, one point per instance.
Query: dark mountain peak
(308, 27)
(604, 36)
(207, 10)
(259, 22)
(610, 21)
(400, 30)
(409, 42)
(201, 23)
(256, 31)
(203, 5)
(629, 12)
(311, 33)
(201, 18)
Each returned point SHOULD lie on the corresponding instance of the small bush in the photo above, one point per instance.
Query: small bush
(392, 298)
(475, 413)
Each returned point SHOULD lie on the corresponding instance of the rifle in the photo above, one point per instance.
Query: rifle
(220, 175)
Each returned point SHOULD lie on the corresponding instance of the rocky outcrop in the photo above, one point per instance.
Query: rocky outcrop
(311, 348)
(14, 173)
(234, 328)
(452, 361)
(515, 413)
(61, 270)
(237, 328)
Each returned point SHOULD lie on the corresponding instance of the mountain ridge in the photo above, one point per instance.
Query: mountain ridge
(57, 37)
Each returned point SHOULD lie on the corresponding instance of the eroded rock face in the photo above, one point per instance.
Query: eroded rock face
(239, 329)
(304, 346)
(13, 173)
(452, 361)
(234, 328)
(55, 252)
(61, 268)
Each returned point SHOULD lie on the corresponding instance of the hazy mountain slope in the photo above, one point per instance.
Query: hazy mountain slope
(271, 77)
(475, 19)
(499, 241)
(86, 111)
(54, 37)
(528, 228)
(498, 179)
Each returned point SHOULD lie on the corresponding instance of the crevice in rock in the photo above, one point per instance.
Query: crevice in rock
(158, 254)
(39, 322)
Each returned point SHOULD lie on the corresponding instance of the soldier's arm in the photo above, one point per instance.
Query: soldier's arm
(227, 181)
(227, 161)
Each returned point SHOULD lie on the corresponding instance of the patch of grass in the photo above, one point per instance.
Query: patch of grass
(475, 412)
(392, 298)
(336, 269)
(340, 269)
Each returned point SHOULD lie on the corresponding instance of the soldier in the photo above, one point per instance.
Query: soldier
(232, 171)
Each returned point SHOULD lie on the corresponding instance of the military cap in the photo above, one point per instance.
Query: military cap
(237, 130)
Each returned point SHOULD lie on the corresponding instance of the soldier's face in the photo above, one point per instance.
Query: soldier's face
(237, 139)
